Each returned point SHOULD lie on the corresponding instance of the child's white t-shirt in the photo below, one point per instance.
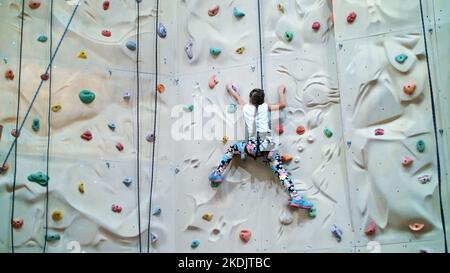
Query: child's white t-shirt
(262, 124)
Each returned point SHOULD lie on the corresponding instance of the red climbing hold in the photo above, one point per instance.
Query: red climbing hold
(116, 208)
(106, 33)
(86, 136)
(45, 76)
(14, 133)
(300, 130)
(379, 132)
(279, 129)
(34, 4)
(351, 17)
(17, 223)
(119, 147)
(213, 11)
(105, 5)
(370, 229)
(9, 75)
(245, 235)
(316, 26)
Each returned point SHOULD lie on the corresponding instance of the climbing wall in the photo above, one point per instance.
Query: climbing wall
(357, 90)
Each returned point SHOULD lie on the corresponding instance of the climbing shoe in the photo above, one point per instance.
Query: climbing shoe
(300, 202)
(216, 179)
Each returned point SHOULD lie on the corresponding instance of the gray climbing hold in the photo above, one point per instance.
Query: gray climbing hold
(157, 211)
(177, 170)
(127, 181)
(154, 238)
(131, 45)
(112, 126)
(337, 232)
(424, 178)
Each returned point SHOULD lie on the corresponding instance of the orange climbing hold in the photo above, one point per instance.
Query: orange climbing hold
(9, 75)
(34, 4)
(409, 88)
(286, 158)
(160, 88)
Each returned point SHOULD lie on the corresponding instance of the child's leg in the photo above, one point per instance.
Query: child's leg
(216, 176)
(278, 168)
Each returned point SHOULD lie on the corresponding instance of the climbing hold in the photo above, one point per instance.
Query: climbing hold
(9, 75)
(42, 38)
(154, 238)
(127, 96)
(215, 51)
(157, 211)
(297, 160)
(52, 237)
(231, 108)
(337, 232)
(407, 161)
(188, 48)
(17, 223)
(35, 125)
(86, 96)
(349, 143)
(106, 33)
(235, 87)
(116, 208)
(379, 132)
(401, 58)
(131, 45)
(225, 139)
(207, 216)
(327, 132)
(150, 137)
(416, 227)
(370, 229)
(82, 55)
(240, 50)
(14, 133)
(351, 17)
(195, 243)
(119, 146)
(409, 88)
(45, 77)
(425, 178)
(4, 168)
(245, 235)
(86, 136)
(316, 26)
(213, 11)
(279, 129)
(313, 212)
(238, 13)
(112, 126)
(81, 187)
(289, 35)
(127, 181)
(39, 178)
(212, 82)
(286, 158)
(105, 5)
(420, 145)
(160, 88)
(300, 148)
(57, 215)
(56, 108)
(189, 108)
(34, 4)
(280, 8)
(300, 130)
(162, 31)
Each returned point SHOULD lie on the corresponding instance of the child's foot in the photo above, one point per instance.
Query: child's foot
(216, 179)
(300, 202)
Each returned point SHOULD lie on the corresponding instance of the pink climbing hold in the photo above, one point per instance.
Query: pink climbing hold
(119, 147)
(371, 229)
(86, 136)
(379, 132)
(106, 33)
(407, 161)
(116, 208)
(245, 235)
(316, 26)
(279, 129)
(45, 77)
(213, 82)
(409, 88)
(351, 17)
(213, 11)
(105, 5)
(14, 133)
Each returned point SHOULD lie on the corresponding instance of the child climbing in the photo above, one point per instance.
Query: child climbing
(259, 143)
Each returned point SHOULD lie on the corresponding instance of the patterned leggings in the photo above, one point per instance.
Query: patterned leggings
(249, 148)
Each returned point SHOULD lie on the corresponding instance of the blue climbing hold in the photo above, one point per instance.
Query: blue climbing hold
(42, 39)
(112, 126)
(238, 13)
(401, 58)
(52, 237)
(162, 31)
(195, 243)
(127, 181)
(157, 211)
(215, 51)
(131, 45)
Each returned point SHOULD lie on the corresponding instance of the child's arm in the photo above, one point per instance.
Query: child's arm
(282, 99)
(235, 95)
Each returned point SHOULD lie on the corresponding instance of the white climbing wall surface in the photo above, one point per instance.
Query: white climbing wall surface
(358, 126)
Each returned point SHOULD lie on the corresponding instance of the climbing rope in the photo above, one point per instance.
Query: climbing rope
(17, 123)
(138, 160)
(435, 125)
(48, 125)
(27, 113)
(154, 129)
(261, 70)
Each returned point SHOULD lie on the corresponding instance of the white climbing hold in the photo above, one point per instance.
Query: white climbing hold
(424, 178)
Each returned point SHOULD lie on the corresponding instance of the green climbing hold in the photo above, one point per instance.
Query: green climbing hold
(87, 96)
(39, 177)
(189, 108)
(238, 13)
(231, 108)
(35, 125)
(52, 237)
(42, 39)
(420, 145)
(328, 133)
(215, 51)
(401, 58)
(313, 212)
(289, 35)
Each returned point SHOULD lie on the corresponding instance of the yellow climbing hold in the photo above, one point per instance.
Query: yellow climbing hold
(280, 8)
(207, 216)
(81, 187)
(57, 215)
(225, 139)
(82, 55)
(240, 50)
(56, 107)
